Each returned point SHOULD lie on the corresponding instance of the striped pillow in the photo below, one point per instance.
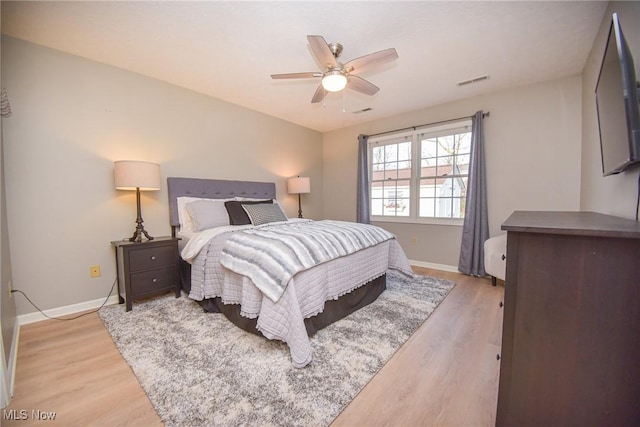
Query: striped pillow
(264, 213)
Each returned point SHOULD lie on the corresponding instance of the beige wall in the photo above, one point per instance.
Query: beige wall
(73, 117)
(615, 194)
(532, 143)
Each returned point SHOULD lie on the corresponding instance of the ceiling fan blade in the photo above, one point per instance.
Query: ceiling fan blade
(321, 51)
(296, 75)
(319, 95)
(358, 65)
(361, 85)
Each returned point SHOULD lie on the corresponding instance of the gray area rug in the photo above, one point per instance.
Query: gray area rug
(199, 369)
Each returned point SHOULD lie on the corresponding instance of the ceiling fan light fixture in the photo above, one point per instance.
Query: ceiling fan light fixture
(334, 81)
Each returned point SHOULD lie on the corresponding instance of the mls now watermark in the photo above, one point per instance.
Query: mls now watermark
(23, 415)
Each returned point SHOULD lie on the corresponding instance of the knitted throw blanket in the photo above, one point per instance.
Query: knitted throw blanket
(271, 256)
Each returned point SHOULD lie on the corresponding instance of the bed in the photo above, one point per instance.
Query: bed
(309, 300)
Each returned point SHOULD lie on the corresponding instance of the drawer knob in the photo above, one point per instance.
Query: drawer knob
(503, 257)
(153, 257)
(497, 357)
(501, 304)
(154, 280)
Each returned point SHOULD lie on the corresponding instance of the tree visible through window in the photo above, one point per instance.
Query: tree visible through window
(391, 178)
(444, 172)
(423, 174)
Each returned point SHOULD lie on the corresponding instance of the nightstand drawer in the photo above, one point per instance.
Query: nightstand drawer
(152, 257)
(151, 281)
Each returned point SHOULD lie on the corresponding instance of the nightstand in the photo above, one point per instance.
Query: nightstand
(146, 268)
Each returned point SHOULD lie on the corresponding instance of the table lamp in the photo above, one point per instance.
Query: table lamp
(299, 185)
(139, 176)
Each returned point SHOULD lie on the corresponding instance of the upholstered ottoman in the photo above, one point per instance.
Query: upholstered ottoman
(495, 257)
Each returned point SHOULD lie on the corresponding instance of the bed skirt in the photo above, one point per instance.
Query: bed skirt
(334, 310)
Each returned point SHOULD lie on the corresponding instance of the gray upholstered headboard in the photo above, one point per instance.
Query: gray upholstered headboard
(213, 189)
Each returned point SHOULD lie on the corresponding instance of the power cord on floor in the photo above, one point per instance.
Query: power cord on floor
(68, 318)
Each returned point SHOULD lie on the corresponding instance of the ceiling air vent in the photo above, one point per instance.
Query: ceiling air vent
(474, 80)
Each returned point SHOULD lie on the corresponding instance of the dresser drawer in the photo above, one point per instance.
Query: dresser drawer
(151, 281)
(151, 257)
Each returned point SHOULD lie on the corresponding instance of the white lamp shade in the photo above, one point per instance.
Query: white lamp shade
(334, 81)
(132, 174)
(299, 185)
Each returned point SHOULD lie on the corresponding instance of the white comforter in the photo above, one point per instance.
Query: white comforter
(303, 297)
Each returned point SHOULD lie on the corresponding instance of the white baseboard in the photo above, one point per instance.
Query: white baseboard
(25, 319)
(5, 394)
(443, 267)
(9, 368)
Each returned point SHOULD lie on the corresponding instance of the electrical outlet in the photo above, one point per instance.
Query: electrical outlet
(95, 270)
(414, 240)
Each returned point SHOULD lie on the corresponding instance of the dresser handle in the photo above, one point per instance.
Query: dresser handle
(153, 257)
(154, 280)
(497, 357)
(501, 304)
(504, 257)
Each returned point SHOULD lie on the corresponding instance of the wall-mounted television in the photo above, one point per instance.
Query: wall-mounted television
(617, 103)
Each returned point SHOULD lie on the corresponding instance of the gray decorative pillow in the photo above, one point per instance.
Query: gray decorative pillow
(207, 214)
(237, 215)
(264, 213)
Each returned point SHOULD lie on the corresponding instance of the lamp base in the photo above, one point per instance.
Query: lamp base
(299, 207)
(137, 235)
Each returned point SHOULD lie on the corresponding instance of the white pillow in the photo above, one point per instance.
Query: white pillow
(207, 213)
(183, 216)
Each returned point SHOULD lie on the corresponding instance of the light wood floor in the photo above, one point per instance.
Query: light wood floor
(446, 374)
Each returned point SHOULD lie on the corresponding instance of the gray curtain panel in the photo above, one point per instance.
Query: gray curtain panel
(362, 202)
(476, 223)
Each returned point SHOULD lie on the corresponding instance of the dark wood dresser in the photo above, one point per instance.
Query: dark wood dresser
(146, 268)
(571, 331)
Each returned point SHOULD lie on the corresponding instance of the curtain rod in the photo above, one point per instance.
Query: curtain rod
(427, 124)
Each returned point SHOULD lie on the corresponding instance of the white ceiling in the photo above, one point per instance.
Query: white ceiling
(228, 50)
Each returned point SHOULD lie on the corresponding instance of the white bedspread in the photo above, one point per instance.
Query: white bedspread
(303, 297)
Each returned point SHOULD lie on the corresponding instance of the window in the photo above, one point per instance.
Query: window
(421, 176)
(390, 166)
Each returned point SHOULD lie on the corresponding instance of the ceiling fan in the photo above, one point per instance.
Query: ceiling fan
(336, 75)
